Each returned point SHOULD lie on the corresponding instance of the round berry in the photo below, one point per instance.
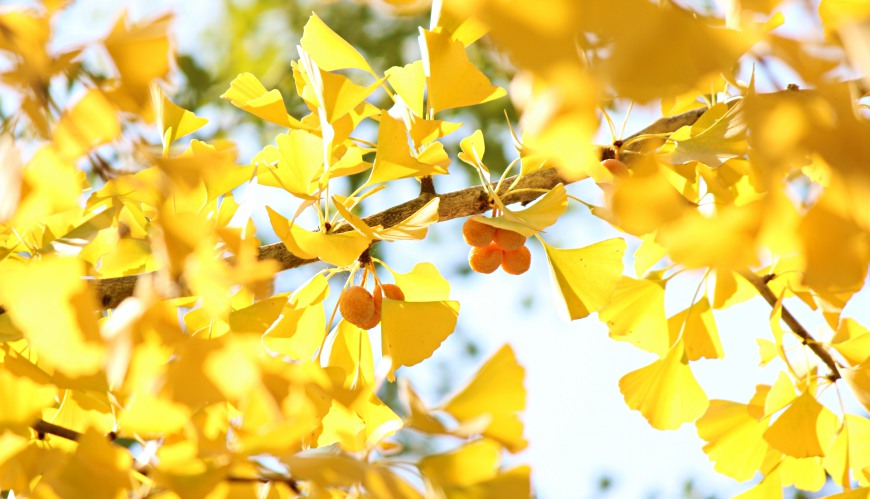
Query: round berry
(393, 292)
(516, 262)
(477, 234)
(508, 240)
(485, 260)
(357, 305)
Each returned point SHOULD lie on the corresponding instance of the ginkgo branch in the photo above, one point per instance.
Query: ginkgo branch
(760, 284)
(462, 203)
(43, 428)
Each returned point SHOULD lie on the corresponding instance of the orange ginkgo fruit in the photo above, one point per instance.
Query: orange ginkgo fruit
(508, 240)
(517, 261)
(485, 260)
(357, 306)
(476, 233)
(392, 292)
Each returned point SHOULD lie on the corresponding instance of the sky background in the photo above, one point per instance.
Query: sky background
(577, 424)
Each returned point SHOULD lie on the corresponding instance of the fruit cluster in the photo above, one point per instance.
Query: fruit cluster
(363, 309)
(493, 247)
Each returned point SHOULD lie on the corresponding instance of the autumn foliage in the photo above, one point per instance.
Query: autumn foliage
(145, 349)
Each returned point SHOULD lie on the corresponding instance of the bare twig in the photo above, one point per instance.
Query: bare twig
(760, 284)
(43, 427)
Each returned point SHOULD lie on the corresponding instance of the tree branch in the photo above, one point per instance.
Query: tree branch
(466, 202)
(43, 428)
(760, 284)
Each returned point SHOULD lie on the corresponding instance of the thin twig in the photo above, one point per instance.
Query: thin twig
(43, 427)
(760, 284)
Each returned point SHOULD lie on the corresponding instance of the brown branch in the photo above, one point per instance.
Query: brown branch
(760, 284)
(471, 201)
(43, 428)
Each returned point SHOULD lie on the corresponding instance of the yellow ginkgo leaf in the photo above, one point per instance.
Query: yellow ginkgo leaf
(858, 379)
(67, 338)
(394, 160)
(852, 341)
(780, 395)
(298, 333)
(147, 415)
(207, 165)
(141, 52)
(850, 452)
(409, 83)
(18, 456)
(350, 163)
(805, 429)
(647, 254)
(414, 227)
(734, 439)
(768, 488)
(360, 428)
(340, 249)
(467, 29)
(586, 277)
(23, 401)
(418, 414)
(514, 483)
(328, 49)
(537, 217)
(175, 122)
(383, 481)
(341, 95)
(453, 80)
(97, 468)
(352, 352)
(496, 393)
(247, 93)
(90, 122)
(665, 392)
(295, 164)
(836, 13)
(258, 317)
(862, 493)
(731, 289)
(472, 149)
(425, 131)
(423, 283)
(803, 473)
(836, 249)
(465, 466)
(698, 328)
(411, 331)
(717, 136)
(327, 469)
(636, 314)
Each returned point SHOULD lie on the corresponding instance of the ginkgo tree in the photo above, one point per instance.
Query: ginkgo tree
(145, 351)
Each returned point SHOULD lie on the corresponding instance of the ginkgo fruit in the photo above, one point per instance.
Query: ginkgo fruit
(392, 292)
(357, 306)
(485, 260)
(476, 233)
(508, 240)
(517, 261)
